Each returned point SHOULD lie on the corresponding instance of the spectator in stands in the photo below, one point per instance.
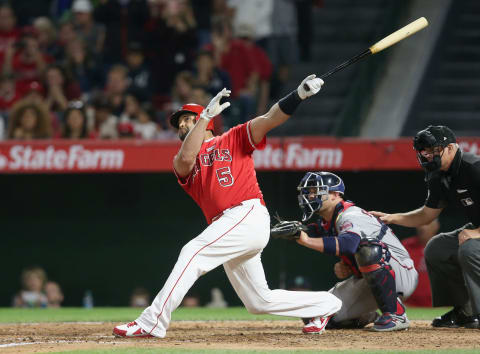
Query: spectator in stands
(47, 36)
(305, 33)
(263, 66)
(281, 46)
(92, 33)
(136, 119)
(233, 56)
(104, 122)
(138, 70)
(59, 89)
(190, 300)
(172, 43)
(116, 87)
(124, 22)
(81, 66)
(143, 126)
(66, 35)
(54, 294)
(217, 300)
(256, 14)
(75, 118)
(28, 62)
(32, 293)
(415, 246)
(9, 32)
(29, 120)
(140, 298)
(8, 93)
(208, 75)
(181, 90)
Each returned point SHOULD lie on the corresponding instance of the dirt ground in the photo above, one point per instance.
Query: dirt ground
(48, 337)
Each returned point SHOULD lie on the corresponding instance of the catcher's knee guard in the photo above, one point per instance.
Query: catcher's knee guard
(372, 258)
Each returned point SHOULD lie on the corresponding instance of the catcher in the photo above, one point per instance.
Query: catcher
(377, 269)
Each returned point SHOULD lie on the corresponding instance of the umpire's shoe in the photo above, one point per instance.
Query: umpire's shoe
(456, 318)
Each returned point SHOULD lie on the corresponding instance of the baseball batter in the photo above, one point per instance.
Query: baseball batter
(218, 173)
(378, 267)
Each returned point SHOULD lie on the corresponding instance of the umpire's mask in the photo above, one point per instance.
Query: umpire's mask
(435, 138)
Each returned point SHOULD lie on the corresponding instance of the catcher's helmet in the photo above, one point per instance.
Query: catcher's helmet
(189, 108)
(430, 138)
(323, 182)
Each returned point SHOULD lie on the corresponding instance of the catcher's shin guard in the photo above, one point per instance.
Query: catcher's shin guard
(372, 258)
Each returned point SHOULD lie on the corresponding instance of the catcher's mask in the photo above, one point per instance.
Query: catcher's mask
(319, 184)
(435, 139)
(189, 108)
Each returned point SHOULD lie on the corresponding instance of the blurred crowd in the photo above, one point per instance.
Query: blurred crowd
(108, 69)
(37, 290)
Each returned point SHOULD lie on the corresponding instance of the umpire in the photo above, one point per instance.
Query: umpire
(453, 258)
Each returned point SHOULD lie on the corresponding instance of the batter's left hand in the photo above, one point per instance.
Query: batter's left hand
(468, 234)
(309, 86)
(214, 108)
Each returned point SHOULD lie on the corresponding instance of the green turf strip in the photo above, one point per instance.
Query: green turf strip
(226, 351)
(125, 314)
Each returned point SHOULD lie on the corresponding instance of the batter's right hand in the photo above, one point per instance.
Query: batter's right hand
(214, 108)
(386, 218)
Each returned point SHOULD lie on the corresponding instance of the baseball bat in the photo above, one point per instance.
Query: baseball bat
(382, 44)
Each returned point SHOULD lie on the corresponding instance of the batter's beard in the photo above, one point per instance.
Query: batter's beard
(183, 134)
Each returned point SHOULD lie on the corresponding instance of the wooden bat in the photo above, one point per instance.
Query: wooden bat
(386, 42)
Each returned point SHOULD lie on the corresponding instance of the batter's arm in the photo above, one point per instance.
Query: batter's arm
(414, 218)
(184, 161)
(283, 109)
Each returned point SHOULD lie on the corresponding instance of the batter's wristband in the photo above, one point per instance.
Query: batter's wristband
(329, 245)
(290, 102)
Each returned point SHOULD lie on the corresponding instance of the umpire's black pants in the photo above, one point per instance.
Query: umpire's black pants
(454, 270)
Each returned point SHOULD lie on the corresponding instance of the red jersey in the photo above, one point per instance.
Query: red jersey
(224, 173)
(422, 296)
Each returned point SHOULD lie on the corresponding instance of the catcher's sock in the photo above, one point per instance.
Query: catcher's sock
(400, 308)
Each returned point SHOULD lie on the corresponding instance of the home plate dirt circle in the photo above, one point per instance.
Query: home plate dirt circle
(259, 335)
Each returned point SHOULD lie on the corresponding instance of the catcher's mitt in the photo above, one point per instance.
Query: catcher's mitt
(288, 230)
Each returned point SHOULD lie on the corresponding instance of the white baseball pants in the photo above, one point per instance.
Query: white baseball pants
(236, 240)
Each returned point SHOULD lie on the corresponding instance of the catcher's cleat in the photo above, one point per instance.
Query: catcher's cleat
(130, 330)
(391, 322)
(316, 325)
(388, 322)
(456, 318)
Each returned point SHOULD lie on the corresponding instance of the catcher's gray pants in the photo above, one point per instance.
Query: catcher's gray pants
(357, 298)
(454, 270)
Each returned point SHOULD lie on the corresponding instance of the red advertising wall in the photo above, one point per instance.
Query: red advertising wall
(296, 153)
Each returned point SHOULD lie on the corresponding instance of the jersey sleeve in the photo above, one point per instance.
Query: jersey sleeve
(242, 137)
(435, 198)
(359, 222)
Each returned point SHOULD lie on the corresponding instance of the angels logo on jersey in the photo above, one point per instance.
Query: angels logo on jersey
(215, 155)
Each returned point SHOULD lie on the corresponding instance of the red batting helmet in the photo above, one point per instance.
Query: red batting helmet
(189, 108)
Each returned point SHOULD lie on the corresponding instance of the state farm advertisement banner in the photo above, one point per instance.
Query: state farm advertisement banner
(122, 156)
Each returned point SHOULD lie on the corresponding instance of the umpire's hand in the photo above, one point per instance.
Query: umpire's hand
(342, 270)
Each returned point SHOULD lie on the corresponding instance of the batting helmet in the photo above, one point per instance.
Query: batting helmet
(430, 138)
(189, 108)
(323, 183)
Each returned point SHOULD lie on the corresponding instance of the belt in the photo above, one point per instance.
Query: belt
(216, 217)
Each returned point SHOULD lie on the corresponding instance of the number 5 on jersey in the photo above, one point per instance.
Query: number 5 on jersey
(224, 176)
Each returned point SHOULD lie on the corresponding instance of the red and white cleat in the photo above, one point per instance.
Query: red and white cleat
(130, 330)
(316, 325)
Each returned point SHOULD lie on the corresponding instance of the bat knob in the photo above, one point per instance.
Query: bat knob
(306, 87)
